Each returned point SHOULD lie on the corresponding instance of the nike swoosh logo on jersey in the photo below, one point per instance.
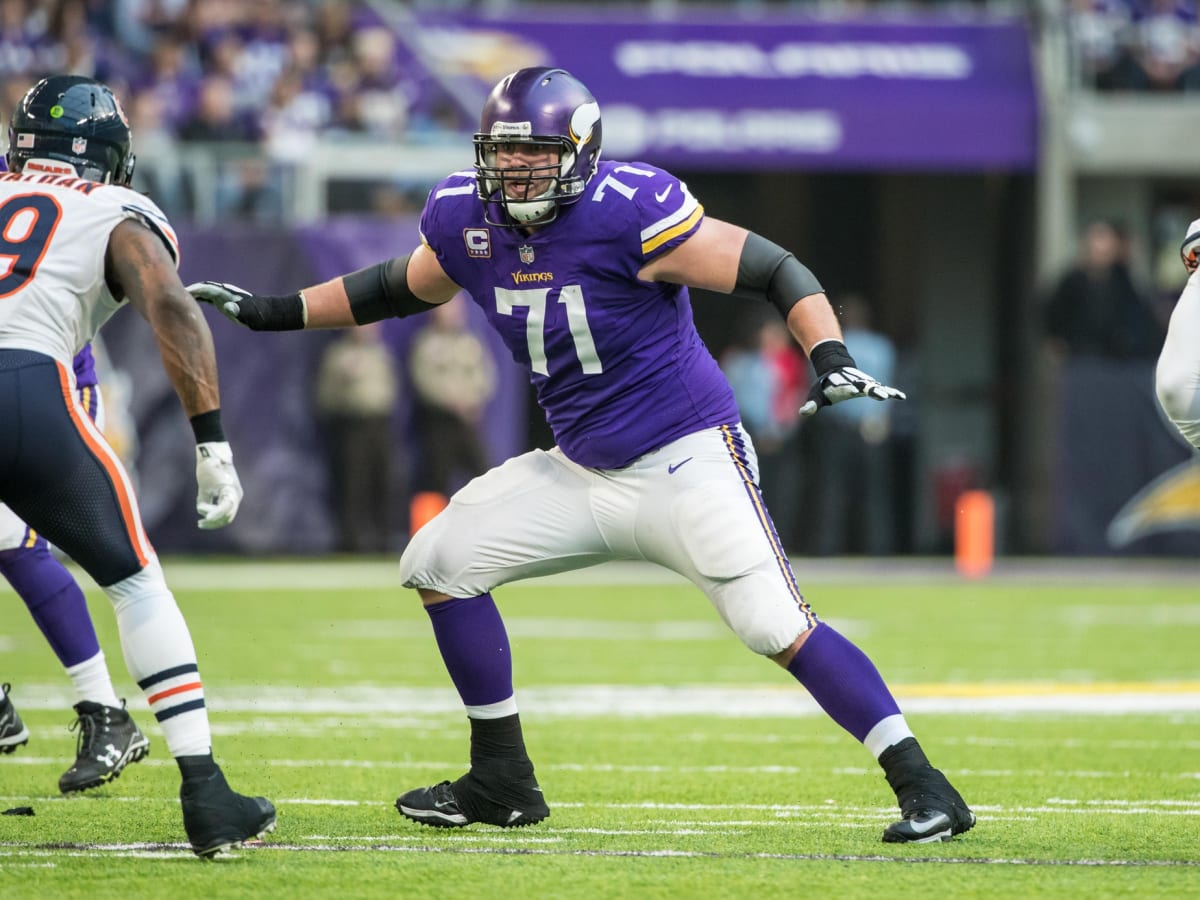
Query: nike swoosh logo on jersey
(671, 470)
(663, 196)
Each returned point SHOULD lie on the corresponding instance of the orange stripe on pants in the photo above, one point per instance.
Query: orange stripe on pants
(108, 461)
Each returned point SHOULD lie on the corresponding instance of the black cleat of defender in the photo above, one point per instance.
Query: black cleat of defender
(109, 740)
(218, 819)
(464, 802)
(13, 732)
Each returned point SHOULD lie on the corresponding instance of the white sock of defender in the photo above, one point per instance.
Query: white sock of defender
(92, 681)
(161, 658)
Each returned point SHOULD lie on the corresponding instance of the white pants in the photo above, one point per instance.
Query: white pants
(694, 507)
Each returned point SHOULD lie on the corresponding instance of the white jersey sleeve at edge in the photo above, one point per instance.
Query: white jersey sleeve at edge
(140, 207)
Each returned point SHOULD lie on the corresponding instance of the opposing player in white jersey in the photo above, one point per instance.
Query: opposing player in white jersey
(1177, 378)
(109, 739)
(79, 244)
(582, 268)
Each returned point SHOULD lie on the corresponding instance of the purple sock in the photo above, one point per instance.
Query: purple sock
(54, 599)
(844, 681)
(474, 645)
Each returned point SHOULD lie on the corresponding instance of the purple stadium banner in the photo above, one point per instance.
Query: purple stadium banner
(727, 93)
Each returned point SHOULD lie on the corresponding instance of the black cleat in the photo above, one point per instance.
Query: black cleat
(928, 824)
(466, 801)
(931, 809)
(217, 818)
(13, 732)
(109, 740)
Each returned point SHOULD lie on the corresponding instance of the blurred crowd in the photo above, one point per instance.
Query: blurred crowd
(267, 75)
(1136, 45)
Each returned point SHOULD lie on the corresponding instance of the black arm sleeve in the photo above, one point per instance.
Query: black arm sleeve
(766, 270)
(381, 292)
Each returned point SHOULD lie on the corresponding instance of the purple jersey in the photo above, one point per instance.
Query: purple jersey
(617, 363)
(85, 367)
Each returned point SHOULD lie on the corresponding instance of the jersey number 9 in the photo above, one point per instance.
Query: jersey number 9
(27, 223)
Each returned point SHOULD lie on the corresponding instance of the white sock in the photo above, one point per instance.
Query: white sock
(92, 681)
(160, 656)
(886, 732)
(498, 710)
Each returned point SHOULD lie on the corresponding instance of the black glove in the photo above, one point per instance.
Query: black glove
(258, 313)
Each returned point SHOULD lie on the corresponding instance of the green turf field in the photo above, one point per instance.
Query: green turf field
(676, 763)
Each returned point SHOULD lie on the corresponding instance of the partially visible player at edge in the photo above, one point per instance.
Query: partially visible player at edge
(80, 244)
(582, 267)
(109, 739)
(1177, 378)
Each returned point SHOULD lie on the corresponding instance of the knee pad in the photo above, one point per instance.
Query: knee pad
(432, 558)
(761, 613)
(140, 593)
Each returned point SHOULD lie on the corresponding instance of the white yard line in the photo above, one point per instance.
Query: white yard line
(777, 812)
(160, 851)
(658, 701)
(378, 573)
(645, 769)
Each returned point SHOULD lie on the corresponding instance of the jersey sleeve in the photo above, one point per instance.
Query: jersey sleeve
(667, 213)
(137, 206)
(438, 218)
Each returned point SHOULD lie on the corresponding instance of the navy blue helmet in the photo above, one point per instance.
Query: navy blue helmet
(75, 120)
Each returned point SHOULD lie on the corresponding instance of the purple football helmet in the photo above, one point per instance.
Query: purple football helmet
(545, 108)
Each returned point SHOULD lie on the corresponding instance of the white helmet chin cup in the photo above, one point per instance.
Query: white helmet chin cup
(526, 211)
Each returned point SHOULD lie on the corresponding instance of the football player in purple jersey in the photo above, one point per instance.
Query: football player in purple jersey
(109, 739)
(1177, 376)
(583, 267)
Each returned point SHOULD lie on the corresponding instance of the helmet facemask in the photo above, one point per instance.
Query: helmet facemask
(529, 195)
(542, 109)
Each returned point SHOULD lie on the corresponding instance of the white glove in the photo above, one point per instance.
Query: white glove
(1190, 247)
(846, 383)
(220, 490)
(225, 297)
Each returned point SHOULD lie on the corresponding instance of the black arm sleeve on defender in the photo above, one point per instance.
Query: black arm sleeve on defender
(381, 292)
(767, 270)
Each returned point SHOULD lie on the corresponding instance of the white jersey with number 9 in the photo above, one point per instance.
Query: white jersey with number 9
(53, 238)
